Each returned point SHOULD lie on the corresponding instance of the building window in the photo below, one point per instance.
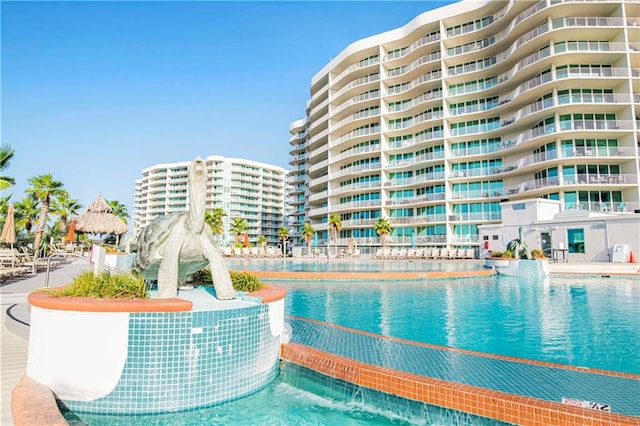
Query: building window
(575, 238)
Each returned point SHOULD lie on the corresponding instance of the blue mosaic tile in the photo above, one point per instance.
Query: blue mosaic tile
(186, 360)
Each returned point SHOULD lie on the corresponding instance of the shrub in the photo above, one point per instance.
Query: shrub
(538, 254)
(507, 254)
(104, 286)
(242, 281)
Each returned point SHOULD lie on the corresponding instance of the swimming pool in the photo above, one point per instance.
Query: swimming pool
(586, 322)
(590, 322)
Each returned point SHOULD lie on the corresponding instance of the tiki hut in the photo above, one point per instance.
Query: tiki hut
(98, 219)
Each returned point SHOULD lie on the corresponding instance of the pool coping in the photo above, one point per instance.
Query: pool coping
(383, 275)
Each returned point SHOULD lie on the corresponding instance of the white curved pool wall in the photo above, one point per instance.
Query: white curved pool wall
(153, 362)
(519, 267)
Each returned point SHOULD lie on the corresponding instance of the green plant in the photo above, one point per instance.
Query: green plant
(103, 286)
(538, 254)
(242, 281)
(507, 254)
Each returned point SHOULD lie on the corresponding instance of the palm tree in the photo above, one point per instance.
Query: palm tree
(6, 154)
(308, 231)
(43, 189)
(283, 233)
(262, 240)
(65, 208)
(239, 227)
(382, 228)
(213, 218)
(335, 223)
(26, 212)
(119, 210)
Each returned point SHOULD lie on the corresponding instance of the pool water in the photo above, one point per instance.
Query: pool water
(587, 322)
(301, 397)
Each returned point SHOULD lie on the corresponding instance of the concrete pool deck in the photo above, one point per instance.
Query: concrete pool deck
(15, 315)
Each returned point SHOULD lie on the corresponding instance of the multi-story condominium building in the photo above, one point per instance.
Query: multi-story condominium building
(244, 189)
(434, 124)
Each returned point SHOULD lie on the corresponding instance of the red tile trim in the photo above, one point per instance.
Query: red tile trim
(270, 293)
(83, 304)
(502, 406)
(370, 275)
(474, 353)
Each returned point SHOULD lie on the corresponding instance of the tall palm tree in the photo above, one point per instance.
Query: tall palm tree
(214, 218)
(119, 210)
(43, 189)
(65, 208)
(335, 223)
(26, 211)
(283, 233)
(6, 154)
(308, 231)
(239, 227)
(382, 228)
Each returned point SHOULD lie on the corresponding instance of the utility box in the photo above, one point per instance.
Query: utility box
(620, 253)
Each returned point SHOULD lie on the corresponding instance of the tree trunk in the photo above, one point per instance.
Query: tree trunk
(42, 223)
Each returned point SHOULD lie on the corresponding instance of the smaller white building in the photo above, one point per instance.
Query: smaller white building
(564, 235)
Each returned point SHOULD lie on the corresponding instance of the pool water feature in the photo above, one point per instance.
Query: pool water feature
(302, 397)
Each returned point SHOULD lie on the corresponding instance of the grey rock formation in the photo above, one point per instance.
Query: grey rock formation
(175, 246)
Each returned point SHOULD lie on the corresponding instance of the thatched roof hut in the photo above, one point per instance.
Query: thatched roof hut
(98, 219)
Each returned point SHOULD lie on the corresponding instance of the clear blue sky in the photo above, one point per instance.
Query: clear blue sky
(94, 92)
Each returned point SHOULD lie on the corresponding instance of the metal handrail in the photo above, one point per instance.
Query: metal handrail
(75, 255)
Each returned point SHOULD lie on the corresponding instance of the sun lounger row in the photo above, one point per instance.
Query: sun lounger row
(428, 253)
(251, 252)
(17, 259)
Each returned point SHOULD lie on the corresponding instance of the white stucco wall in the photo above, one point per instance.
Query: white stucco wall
(78, 355)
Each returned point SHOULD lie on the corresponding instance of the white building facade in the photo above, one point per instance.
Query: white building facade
(434, 124)
(243, 189)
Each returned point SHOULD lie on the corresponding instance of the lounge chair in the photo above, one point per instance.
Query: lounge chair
(379, 253)
(469, 254)
(411, 253)
(386, 253)
(419, 254)
(451, 253)
(395, 253)
(226, 251)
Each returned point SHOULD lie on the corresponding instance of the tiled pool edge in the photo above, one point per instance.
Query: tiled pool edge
(470, 399)
(287, 275)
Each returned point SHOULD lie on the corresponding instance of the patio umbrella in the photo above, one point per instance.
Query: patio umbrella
(315, 239)
(413, 239)
(246, 239)
(71, 234)
(9, 232)
(98, 219)
(350, 246)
